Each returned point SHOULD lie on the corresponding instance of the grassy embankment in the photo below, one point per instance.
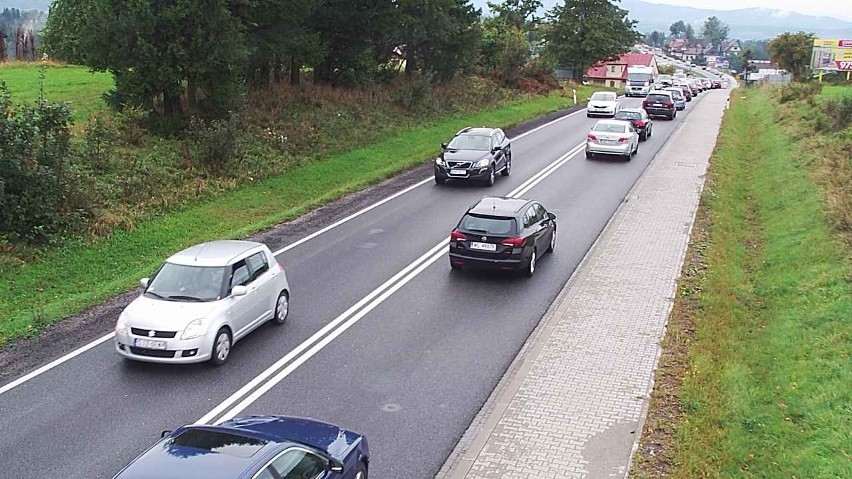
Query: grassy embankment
(755, 376)
(316, 143)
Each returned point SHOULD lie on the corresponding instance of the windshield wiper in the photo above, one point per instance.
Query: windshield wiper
(155, 294)
(185, 298)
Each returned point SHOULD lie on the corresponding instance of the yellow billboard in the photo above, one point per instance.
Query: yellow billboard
(832, 54)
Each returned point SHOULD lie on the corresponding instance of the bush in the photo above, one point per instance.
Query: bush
(35, 156)
(839, 110)
(213, 144)
(799, 91)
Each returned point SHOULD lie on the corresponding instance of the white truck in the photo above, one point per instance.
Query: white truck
(640, 80)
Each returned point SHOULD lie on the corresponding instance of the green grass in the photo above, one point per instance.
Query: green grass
(837, 91)
(68, 279)
(769, 392)
(73, 84)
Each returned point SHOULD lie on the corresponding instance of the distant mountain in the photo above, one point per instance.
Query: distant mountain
(746, 24)
(41, 5)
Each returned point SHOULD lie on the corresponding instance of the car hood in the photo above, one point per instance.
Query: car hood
(602, 104)
(162, 315)
(464, 155)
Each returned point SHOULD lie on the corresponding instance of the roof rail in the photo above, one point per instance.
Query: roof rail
(464, 130)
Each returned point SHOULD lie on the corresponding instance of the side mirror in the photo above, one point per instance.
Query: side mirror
(589, 99)
(165, 433)
(144, 282)
(551, 216)
(443, 146)
(335, 466)
(238, 291)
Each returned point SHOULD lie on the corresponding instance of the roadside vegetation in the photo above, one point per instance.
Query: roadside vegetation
(755, 373)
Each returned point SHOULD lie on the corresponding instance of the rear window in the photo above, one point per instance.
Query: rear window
(659, 98)
(610, 128)
(487, 225)
(628, 115)
(219, 442)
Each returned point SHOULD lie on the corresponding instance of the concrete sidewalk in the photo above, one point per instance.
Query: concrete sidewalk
(572, 403)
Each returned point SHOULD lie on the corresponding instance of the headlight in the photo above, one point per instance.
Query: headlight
(194, 330)
(121, 326)
(482, 163)
(440, 162)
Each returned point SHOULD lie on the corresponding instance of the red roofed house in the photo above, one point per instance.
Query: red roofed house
(614, 73)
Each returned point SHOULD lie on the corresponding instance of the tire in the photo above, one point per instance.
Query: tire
(221, 353)
(589, 155)
(360, 471)
(552, 241)
(439, 180)
(530, 271)
(491, 177)
(282, 308)
(508, 169)
(455, 267)
(588, 115)
(649, 133)
(643, 136)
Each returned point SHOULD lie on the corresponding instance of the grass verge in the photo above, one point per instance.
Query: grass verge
(755, 374)
(68, 279)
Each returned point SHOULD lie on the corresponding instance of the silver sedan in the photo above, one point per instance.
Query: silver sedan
(201, 301)
(612, 137)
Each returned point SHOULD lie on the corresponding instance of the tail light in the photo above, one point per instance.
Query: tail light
(457, 235)
(668, 103)
(623, 139)
(592, 137)
(645, 102)
(514, 242)
(640, 123)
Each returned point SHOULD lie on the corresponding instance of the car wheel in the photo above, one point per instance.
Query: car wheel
(221, 347)
(439, 180)
(282, 308)
(589, 155)
(643, 136)
(649, 133)
(455, 267)
(490, 180)
(531, 265)
(552, 241)
(360, 471)
(508, 168)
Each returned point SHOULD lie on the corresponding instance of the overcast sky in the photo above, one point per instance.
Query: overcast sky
(831, 8)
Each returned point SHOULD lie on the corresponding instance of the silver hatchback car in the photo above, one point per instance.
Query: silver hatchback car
(201, 301)
(612, 137)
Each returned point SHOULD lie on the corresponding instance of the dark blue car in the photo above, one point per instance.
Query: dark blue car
(255, 447)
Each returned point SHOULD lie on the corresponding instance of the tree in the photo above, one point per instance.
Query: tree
(715, 32)
(656, 39)
(677, 29)
(747, 67)
(792, 52)
(582, 33)
(516, 13)
(65, 29)
(689, 34)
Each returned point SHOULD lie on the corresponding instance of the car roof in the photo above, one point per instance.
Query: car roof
(213, 253)
(477, 130)
(498, 206)
(660, 92)
(333, 440)
(631, 110)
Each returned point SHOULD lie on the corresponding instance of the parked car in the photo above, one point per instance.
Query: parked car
(639, 119)
(508, 234)
(678, 96)
(201, 301)
(660, 103)
(603, 103)
(612, 137)
(475, 154)
(255, 447)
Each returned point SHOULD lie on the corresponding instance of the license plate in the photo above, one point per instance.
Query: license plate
(483, 246)
(607, 142)
(658, 104)
(458, 172)
(149, 344)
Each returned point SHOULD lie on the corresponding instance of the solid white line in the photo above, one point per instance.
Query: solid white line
(55, 363)
(311, 236)
(396, 282)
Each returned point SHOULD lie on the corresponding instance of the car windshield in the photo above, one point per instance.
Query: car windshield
(658, 98)
(639, 76)
(471, 142)
(628, 115)
(217, 442)
(603, 96)
(610, 127)
(177, 282)
(488, 225)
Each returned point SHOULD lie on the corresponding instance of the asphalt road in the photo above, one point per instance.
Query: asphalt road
(410, 371)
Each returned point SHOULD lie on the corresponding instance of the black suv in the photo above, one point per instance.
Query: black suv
(503, 233)
(475, 154)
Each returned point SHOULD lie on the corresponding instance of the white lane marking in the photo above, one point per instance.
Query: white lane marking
(350, 317)
(55, 363)
(311, 236)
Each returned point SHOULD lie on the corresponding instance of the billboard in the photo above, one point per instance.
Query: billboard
(832, 54)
